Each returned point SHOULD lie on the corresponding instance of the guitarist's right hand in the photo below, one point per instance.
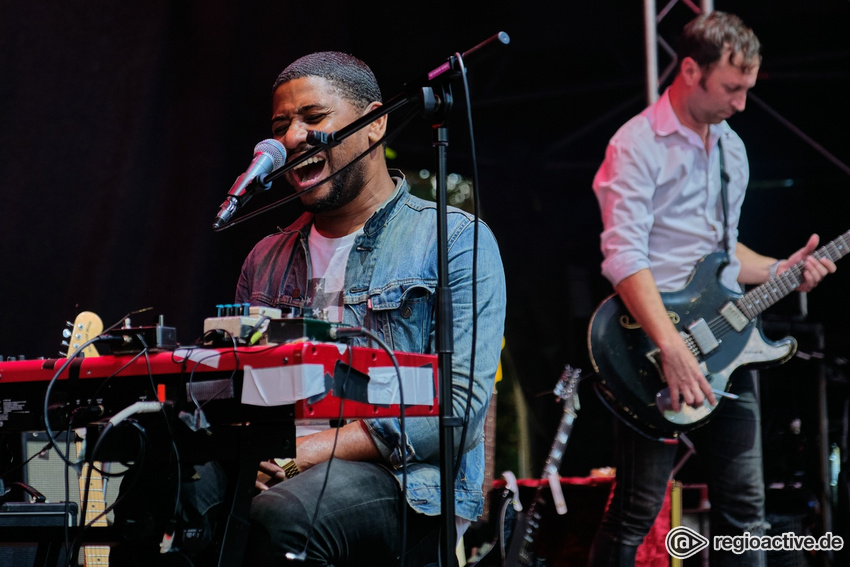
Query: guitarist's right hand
(679, 366)
(683, 375)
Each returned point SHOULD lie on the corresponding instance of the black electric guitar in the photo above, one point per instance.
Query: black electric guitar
(515, 534)
(721, 328)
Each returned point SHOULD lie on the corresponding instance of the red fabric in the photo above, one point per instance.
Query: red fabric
(653, 552)
(565, 540)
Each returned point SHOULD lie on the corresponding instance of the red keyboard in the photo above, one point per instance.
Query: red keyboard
(321, 380)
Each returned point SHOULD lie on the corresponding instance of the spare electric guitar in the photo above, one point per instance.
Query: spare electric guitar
(721, 328)
(521, 549)
(86, 326)
(92, 485)
(513, 545)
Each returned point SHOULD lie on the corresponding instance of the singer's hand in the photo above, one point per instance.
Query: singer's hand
(268, 475)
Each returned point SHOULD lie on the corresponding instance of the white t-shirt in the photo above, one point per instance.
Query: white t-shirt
(328, 257)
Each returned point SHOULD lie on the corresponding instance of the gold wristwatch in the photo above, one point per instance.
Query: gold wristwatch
(290, 469)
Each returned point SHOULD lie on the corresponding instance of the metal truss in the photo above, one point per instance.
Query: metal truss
(653, 41)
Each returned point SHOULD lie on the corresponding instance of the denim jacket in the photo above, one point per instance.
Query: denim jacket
(390, 283)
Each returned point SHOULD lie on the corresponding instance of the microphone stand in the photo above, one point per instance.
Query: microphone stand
(434, 107)
(437, 108)
(445, 342)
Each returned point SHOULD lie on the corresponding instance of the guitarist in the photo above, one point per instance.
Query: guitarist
(659, 191)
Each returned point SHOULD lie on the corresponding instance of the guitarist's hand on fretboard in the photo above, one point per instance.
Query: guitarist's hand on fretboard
(814, 269)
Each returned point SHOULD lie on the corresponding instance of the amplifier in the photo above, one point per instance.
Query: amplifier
(41, 514)
(46, 472)
(28, 532)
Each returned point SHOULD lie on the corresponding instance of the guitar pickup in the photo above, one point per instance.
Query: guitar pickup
(703, 337)
(734, 316)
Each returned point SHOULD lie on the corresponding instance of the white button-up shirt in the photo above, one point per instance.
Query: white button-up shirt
(659, 194)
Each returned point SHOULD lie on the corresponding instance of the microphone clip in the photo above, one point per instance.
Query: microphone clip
(233, 203)
(321, 139)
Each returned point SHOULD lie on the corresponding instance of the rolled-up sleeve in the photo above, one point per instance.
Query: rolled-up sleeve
(624, 187)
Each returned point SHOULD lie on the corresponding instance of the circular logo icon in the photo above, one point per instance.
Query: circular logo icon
(683, 542)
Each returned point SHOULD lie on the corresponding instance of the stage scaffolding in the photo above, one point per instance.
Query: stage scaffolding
(652, 41)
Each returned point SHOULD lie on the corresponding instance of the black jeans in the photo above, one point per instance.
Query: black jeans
(358, 522)
(731, 445)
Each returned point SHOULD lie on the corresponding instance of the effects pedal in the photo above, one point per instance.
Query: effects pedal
(131, 340)
(241, 322)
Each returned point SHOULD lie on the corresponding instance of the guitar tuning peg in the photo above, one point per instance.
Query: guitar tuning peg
(64, 343)
(63, 354)
(66, 333)
(69, 324)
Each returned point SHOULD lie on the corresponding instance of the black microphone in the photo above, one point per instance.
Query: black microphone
(268, 156)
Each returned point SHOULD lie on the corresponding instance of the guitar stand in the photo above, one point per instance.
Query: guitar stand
(691, 450)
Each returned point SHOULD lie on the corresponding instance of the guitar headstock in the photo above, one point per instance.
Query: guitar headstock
(86, 326)
(566, 388)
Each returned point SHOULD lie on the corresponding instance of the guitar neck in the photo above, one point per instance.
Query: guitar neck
(556, 454)
(93, 491)
(92, 485)
(767, 294)
(522, 554)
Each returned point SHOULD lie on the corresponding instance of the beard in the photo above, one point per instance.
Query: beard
(344, 188)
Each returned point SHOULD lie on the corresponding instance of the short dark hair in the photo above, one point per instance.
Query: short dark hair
(350, 75)
(705, 37)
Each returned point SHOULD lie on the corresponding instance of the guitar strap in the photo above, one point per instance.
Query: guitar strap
(724, 198)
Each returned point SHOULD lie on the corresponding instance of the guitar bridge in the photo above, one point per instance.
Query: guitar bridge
(703, 337)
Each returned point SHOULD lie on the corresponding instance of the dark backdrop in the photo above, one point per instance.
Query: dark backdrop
(123, 124)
